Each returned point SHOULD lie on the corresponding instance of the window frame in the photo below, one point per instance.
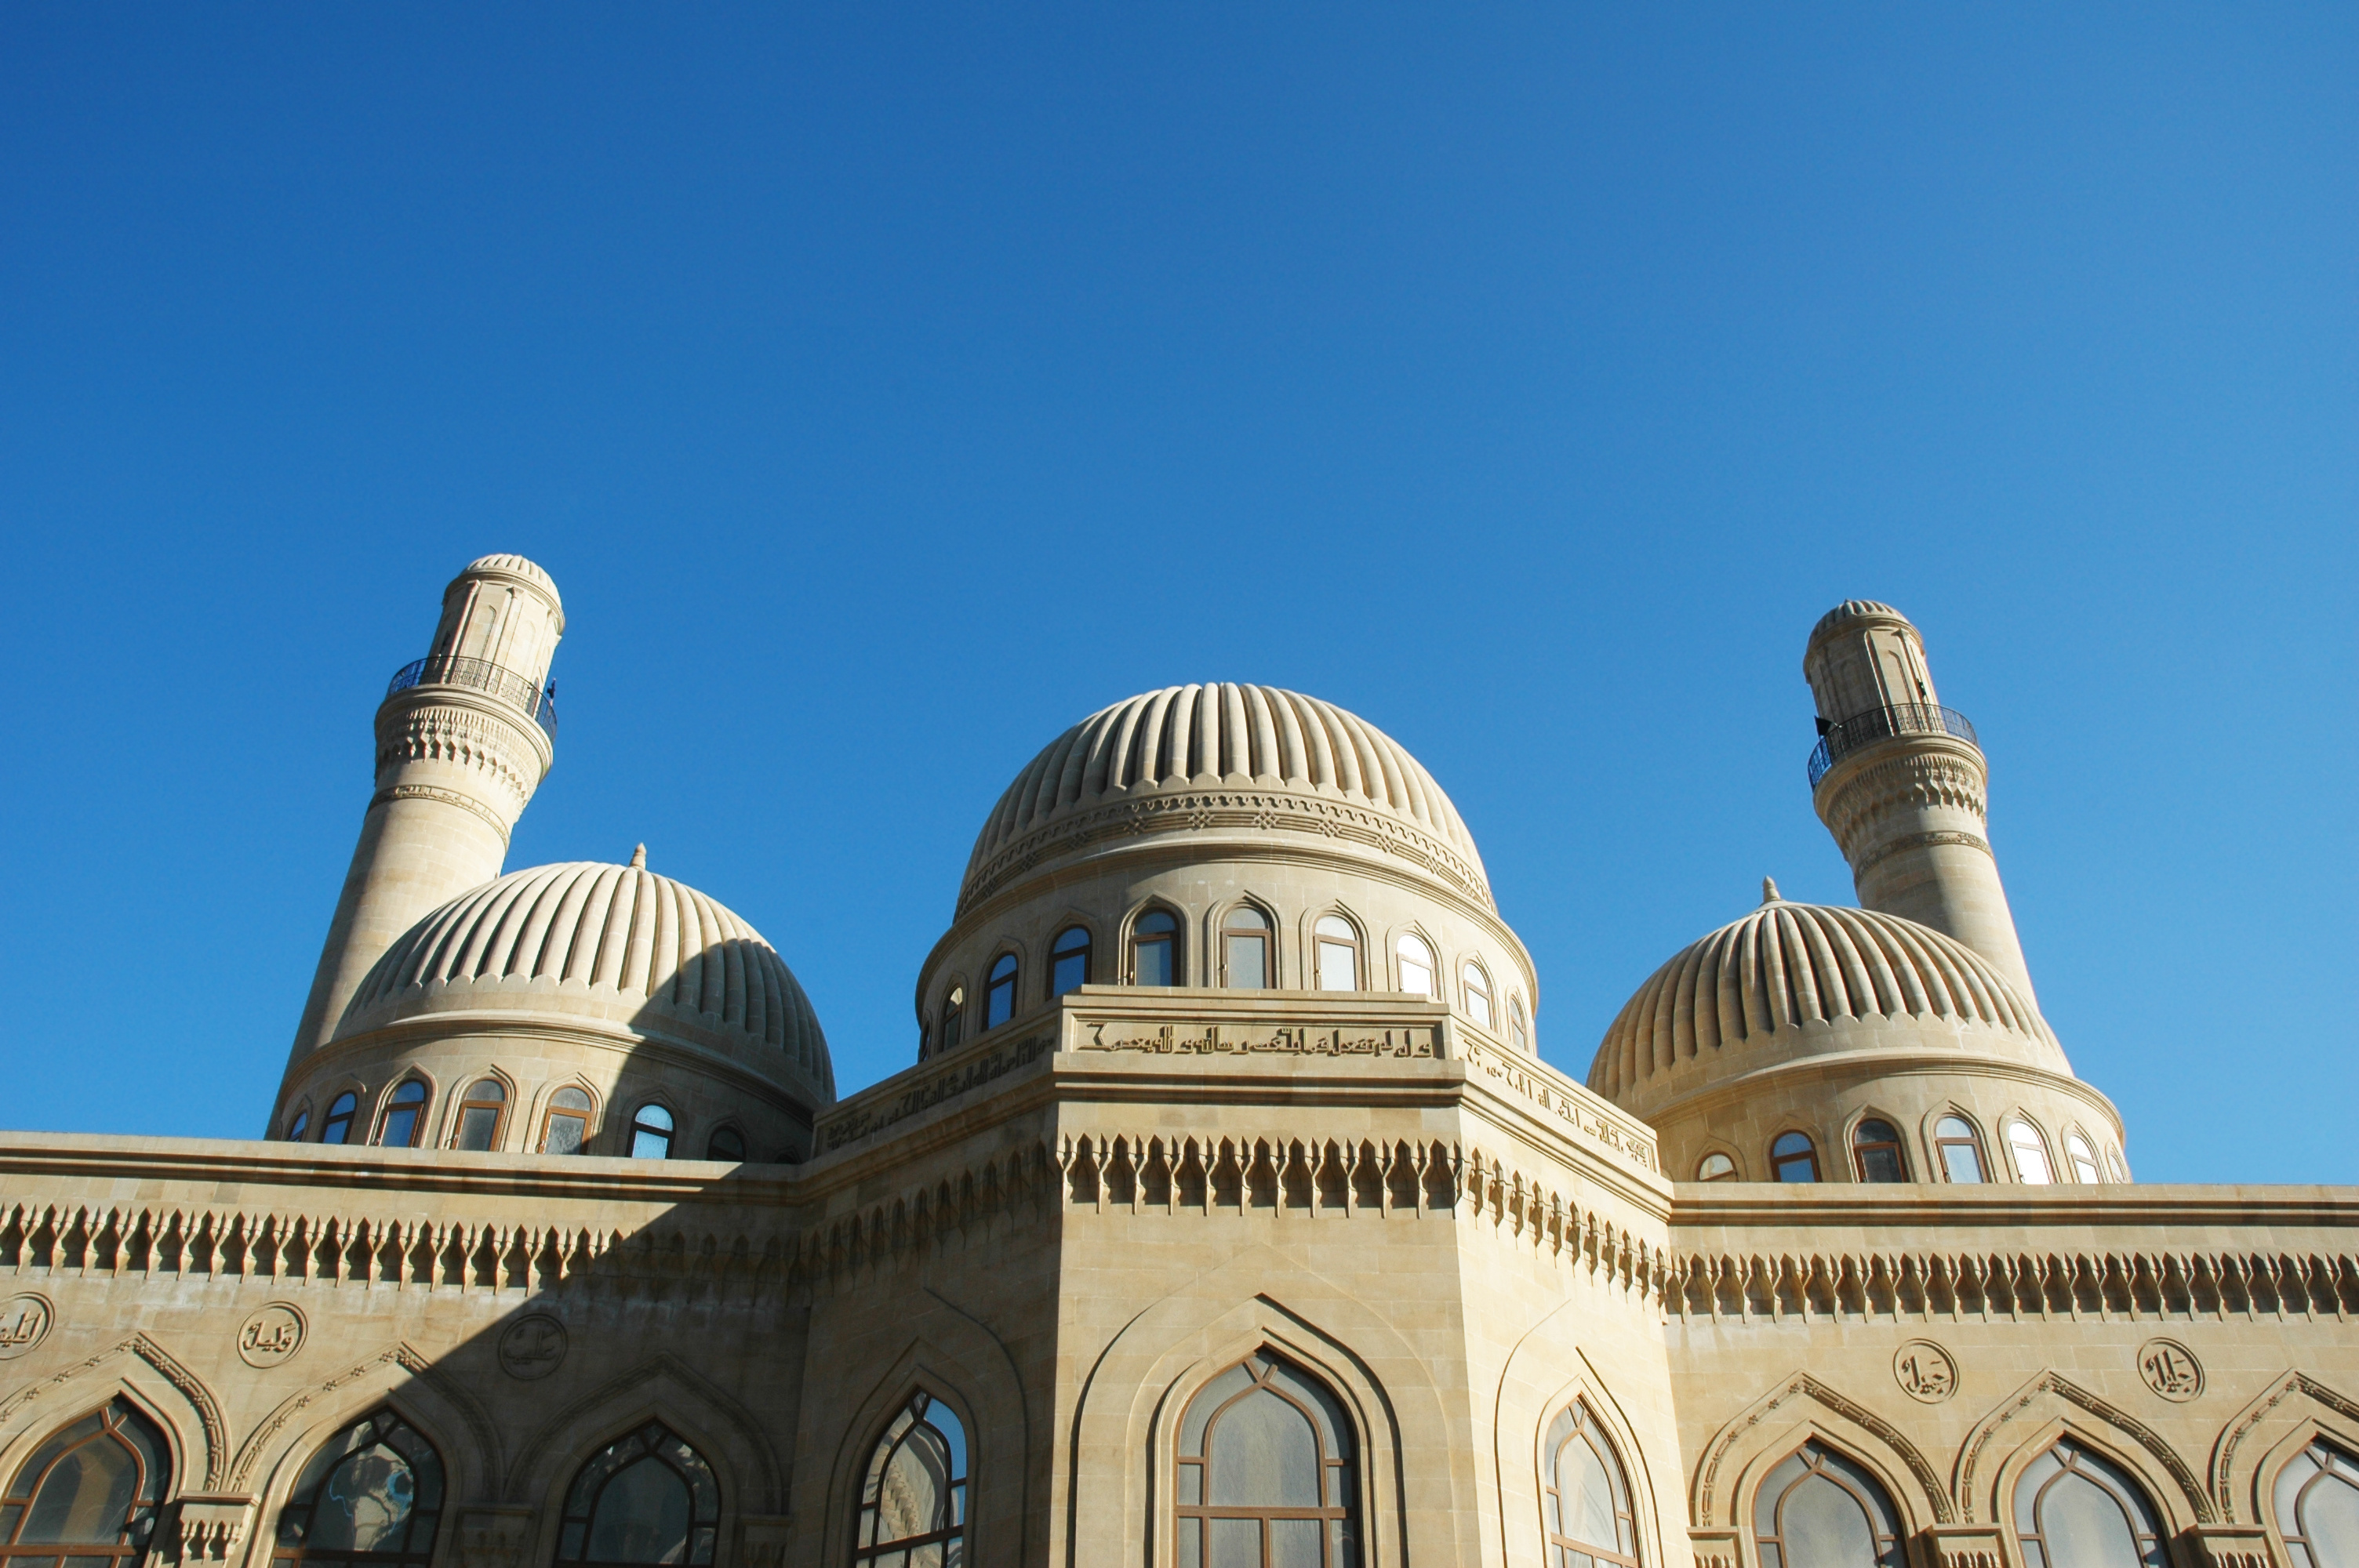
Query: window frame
(1896, 1144)
(1474, 980)
(2336, 1466)
(383, 1418)
(298, 1124)
(1132, 941)
(919, 1406)
(639, 1126)
(1266, 935)
(499, 1110)
(342, 1111)
(952, 1018)
(1349, 1485)
(1321, 940)
(1059, 954)
(995, 984)
(727, 1129)
(393, 1104)
(1587, 1428)
(2108, 1475)
(2015, 1150)
(151, 1489)
(550, 1111)
(2086, 1159)
(1971, 1143)
(1810, 1152)
(1735, 1172)
(588, 1517)
(1816, 1453)
(1403, 963)
(1519, 1027)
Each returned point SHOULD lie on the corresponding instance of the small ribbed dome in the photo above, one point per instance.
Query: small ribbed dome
(1787, 967)
(631, 947)
(1254, 740)
(1852, 610)
(516, 565)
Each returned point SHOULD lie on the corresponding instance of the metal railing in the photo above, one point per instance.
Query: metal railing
(481, 675)
(1882, 724)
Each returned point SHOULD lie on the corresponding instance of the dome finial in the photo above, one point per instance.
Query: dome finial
(1769, 893)
(639, 859)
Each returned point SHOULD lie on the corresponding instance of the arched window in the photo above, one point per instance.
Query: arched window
(301, 1123)
(338, 1128)
(913, 1504)
(1245, 950)
(2030, 1154)
(1875, 1151)
(1794, 1158)
(726, 1143)
(1587, 1499)
(1155, 949)
(403, 1111)
(2318, 1508)
(89, 1495)
(371, 1496)
(1478, 992)
(1265, 1473)
(566, 1126)
(1518, 1032)
(2114, 1164)
(953, 1011)
(1416, 962)
(2083, 1159)
(2074, 1510)
(1068, 961)
(651, 1134)
(1716, 1168)
(647, 1499)
(1960, 1150)
(1818, 1510)
(999, 993)
(1338, 942)
(480, 1115)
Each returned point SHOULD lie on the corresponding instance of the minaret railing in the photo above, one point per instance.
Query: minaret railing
(1842, 739)
(481, 675)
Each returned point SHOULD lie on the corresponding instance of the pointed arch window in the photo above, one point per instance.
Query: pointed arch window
(1518, 1032)
(88, 1497)
(651, 1130)
(371, 1496)
(1416, 962)
(1586, 1496)
(1265, 1476)
(1960, 1150)
(404, 1110)
(1876, 1153)
(1477, 986)
(338, 1128)
(953, 1012)
(1793, 1158)
(1068, 961)
(2318, 1508)
(480, 1115)
(2073, 1509)
(1819, 1510)
(1245, 950)
(1338, 943)
(1716, 1168)
(913, 1504)
(1155, 949)
(999, 993)
(2082, 1159)
(566, 1126)
(2030, 1154)
(300, 1125)
(726, 1143)
(644, 1499)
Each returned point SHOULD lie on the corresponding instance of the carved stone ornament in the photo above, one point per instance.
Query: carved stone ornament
(532, 1347)
(2170, 1369)
(1965, 1546)
(271, 1337)
(493, 1537)
(1926, 1372)
(211, 1528)
(24, 1323)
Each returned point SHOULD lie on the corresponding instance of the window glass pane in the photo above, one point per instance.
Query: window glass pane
(647, 1144)
(1715, 1167)
(1478, 995)
(400, 1127)
(1245, 917)
(488, 1089)
(1823, 1526)
(999, 999)
(1338, 967)
(655, 1117)
(1264, 1454)
(1294, 1544)
(2031, 1156)
(1880, 1165)
(87, 1496)
(642, 1516)
(915, 1497)
(2085, 1160)
(565, 1135)
(569, 1100)
(1587, 1494)
(2329, 1516)
(1235, 1543)
(1070, 971)
(726, 1143)
(1336, 925)
(295, 1129)
(1962, 1163)
(476, 1125)
(1791, 1158)
(1415, 978)
(1155, 920)
(2084, 1527)
(1155, 962)
(1072, 939)
(1248, 969)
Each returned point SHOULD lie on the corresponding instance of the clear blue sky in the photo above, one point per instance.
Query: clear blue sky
(886, 391)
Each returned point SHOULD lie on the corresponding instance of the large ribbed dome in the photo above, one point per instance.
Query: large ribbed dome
(1196, 756)
(618, 942)
(1786, 967)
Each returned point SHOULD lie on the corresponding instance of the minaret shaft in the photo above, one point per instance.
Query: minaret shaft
(462, 740)
(1905, 789)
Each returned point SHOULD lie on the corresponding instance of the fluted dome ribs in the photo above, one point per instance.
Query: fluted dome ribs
(1238, 737)
(1787, 966)
(615, 927)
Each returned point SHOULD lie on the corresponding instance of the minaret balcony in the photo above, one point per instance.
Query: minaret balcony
(482, 675)
(1861, 731)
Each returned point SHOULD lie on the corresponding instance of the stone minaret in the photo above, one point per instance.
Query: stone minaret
(1901, 784)
(463, 737)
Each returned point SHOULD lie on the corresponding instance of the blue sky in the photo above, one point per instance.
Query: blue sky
(888, 391)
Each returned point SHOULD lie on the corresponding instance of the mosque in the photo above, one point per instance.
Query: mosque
(1227, 1218)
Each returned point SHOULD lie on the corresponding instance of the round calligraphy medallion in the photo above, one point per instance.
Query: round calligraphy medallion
(1926, 1372)
(24, 1323)
(532, 1347)
(2170, 1369)
(271, 1337)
